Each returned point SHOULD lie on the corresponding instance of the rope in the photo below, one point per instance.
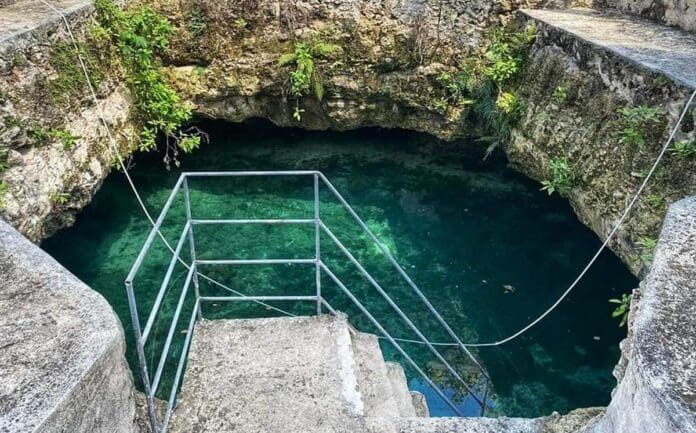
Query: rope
(575, 282)
(124, 168)
(606, 241)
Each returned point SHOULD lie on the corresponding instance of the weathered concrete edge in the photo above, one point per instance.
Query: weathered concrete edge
(47, 23)
(529, 15)
(84, 387)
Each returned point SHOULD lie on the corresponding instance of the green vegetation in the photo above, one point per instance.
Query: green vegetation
(684, 149)
(196, 21)
(4, 189)
(307, 75)
(624, 306)
(142, 36)
(655, 201)
(486, 81)
(70, 82)
(635, 124)
(560, 94)
(647, 246)
(508, 103)
(59, 197)
(41, 136)
(562, 178)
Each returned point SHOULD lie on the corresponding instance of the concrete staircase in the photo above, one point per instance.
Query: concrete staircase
(300, 374)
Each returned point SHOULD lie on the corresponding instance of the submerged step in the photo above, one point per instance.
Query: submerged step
(270, 375)
(661, 49)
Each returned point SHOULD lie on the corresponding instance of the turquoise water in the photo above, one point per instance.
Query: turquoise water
(486, 246)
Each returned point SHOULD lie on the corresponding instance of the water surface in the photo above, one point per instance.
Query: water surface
(488, 248)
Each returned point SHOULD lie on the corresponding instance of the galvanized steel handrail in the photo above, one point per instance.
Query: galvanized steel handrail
(142, 334)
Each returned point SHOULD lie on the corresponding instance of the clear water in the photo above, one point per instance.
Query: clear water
(487, 247)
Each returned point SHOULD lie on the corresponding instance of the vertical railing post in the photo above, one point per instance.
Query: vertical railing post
(192, 247)
(317, 243)
(142, 361)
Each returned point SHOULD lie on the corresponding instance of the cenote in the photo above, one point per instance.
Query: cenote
(488, 248)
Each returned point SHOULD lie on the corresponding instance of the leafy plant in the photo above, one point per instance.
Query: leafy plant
(240, 23)
(647, 246)
(70, 82)
(59, 197)
(4, 189)
(623, 308)
(655, 200)
(42, 136)
(307, 76)
(635, 121)
(684, 149)
(196, 21)
(508, 103)
(560, 94)
(562, 178)
(142, 35)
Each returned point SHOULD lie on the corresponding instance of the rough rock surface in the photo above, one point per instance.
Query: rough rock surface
(48, 181)
(62, 363)
(656, 391)
(582, 52)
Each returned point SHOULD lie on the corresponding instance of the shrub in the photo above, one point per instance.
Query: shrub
(684, 149)
(4, 189)
(307, 76)
(635, 122)
(142, 35)
(647, 246)
(562, 178)
(624, 306)
(508, 103)
(59, 197)
(560, 94)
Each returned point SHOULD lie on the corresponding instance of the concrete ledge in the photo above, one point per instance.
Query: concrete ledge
(62, 364)
(651, 46)
(657, 391)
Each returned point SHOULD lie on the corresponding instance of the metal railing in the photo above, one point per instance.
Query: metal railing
(152, 382)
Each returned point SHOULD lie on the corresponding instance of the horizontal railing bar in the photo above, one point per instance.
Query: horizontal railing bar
(248, 173)
(401, 272)
(172, 329)
(386, 334)
(256, 261)
(180, 368)
(257, 298)
(154, 231)
(165, 282)
(397, 309)
(251, 221)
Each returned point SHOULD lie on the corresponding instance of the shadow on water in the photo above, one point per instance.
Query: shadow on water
(486, 246)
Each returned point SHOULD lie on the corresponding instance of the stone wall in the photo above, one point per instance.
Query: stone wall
(657, 375)
(47, 181)
(584, 128)
(680, 13)
(62, 362)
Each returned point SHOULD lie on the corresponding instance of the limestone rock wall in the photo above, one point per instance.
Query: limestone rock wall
(62, 362)
(584, 128)
(49, 180)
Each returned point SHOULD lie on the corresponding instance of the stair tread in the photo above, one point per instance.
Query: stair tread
(270, 375)
(373, 377)
(399, 385)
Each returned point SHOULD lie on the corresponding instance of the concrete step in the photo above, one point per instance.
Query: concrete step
(374, 382)
(399, 386)
(458, 425)
(271, 376)
(420, 404)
